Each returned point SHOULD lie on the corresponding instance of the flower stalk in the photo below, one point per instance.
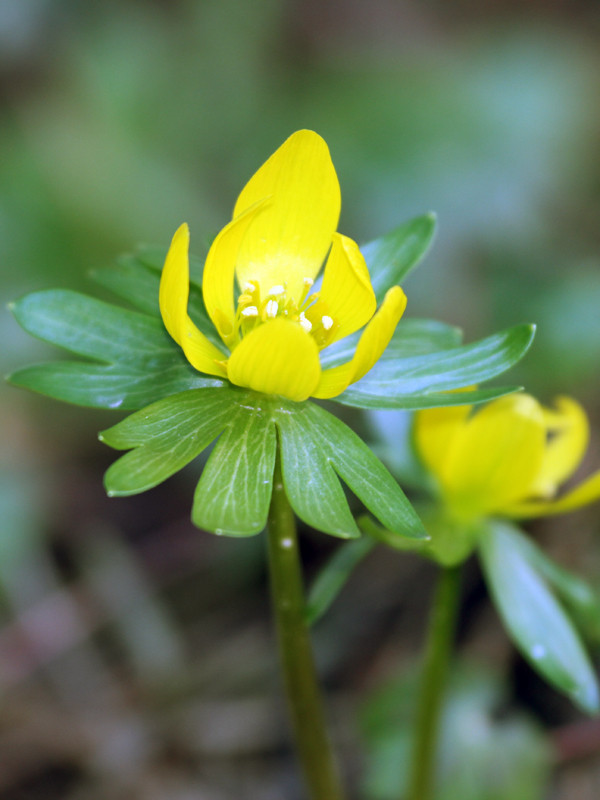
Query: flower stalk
(300, 678)
(442, 626)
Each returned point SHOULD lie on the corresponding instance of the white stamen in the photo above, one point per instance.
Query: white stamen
(250, 311)
(308, 282)
(272, 308)
(248, 287)
(274, 291)
(327, 322)
(306, 323)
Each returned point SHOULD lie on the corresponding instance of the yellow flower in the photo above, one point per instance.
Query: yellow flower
(283, 230)
(508, 458)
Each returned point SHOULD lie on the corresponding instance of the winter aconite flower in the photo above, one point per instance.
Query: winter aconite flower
(232, 362)
(282, 232)
(486, 466)
(509, 458)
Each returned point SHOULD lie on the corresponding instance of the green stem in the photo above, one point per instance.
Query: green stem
(297, 662)
(442, 625)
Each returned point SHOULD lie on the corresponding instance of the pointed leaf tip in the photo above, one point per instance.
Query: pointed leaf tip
(391, 257)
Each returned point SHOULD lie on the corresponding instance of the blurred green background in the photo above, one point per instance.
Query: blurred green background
(136, 657)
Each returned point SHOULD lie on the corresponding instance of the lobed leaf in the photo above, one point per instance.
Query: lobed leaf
(316, 448)
(535, 620)
(166, 436)
(234, 491)
(311, 484)
(365, 475)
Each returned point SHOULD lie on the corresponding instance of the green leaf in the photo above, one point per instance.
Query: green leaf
(92, 328)
(412, 337)
(333, 577)
(415, 337)
(537, 623)
(450, 542)
(134, 280)
(314, 447)
(419, 401)
(166, 436)
(384, 536)
(234, 492)
(366, 476)
(424, 381)
(579, 597)
(114, 386)
(311, 485)
(139, 362)
(391, 257)
(154, 257)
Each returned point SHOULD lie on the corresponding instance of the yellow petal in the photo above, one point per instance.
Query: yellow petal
(434, 431)
(346, 295)
(495, 456)
(587, 492)
(569, 431)
(219, 271)
(175, 283)
(173, 301)
(290, 240)
(375, 338)
(277, 357)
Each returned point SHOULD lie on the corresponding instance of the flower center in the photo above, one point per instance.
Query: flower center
(254, 308)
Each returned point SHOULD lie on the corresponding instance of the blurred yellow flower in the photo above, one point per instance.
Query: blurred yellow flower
(282, 231)
(508, 458)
